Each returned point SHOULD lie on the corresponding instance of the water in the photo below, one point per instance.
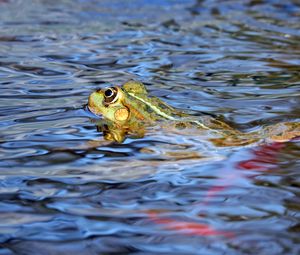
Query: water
(63, 190)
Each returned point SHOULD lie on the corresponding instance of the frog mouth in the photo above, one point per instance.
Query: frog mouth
(92, 110)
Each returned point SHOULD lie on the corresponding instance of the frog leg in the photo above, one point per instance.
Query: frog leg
(282, 132)
(235, 140)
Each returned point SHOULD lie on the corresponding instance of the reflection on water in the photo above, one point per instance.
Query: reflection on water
(65, 190)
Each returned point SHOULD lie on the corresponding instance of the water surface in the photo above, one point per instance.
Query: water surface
(64, 191)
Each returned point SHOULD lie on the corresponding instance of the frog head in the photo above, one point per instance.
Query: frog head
(109, 103)
(123, 114)
(129, 109)
(127, 104)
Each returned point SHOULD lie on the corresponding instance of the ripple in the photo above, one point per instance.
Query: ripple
(64, 189)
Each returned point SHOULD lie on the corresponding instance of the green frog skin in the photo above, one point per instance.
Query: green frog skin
(129, 110)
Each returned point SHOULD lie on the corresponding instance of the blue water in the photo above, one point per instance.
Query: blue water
(64, 190)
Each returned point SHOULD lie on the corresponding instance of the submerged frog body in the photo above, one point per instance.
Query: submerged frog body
(129, 111)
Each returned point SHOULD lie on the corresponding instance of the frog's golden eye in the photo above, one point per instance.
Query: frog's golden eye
(110, 95)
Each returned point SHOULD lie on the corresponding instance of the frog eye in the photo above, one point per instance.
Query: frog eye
(110, 95)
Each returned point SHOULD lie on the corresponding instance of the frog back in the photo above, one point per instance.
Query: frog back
(152, 106)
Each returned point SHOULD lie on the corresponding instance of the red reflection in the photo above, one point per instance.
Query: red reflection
(187, 228)
(264, 158)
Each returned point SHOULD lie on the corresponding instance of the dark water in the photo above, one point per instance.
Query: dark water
(62, 192)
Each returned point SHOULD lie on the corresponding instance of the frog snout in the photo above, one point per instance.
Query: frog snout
(94, 103)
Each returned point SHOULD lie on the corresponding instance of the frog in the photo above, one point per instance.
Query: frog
(129, 111)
